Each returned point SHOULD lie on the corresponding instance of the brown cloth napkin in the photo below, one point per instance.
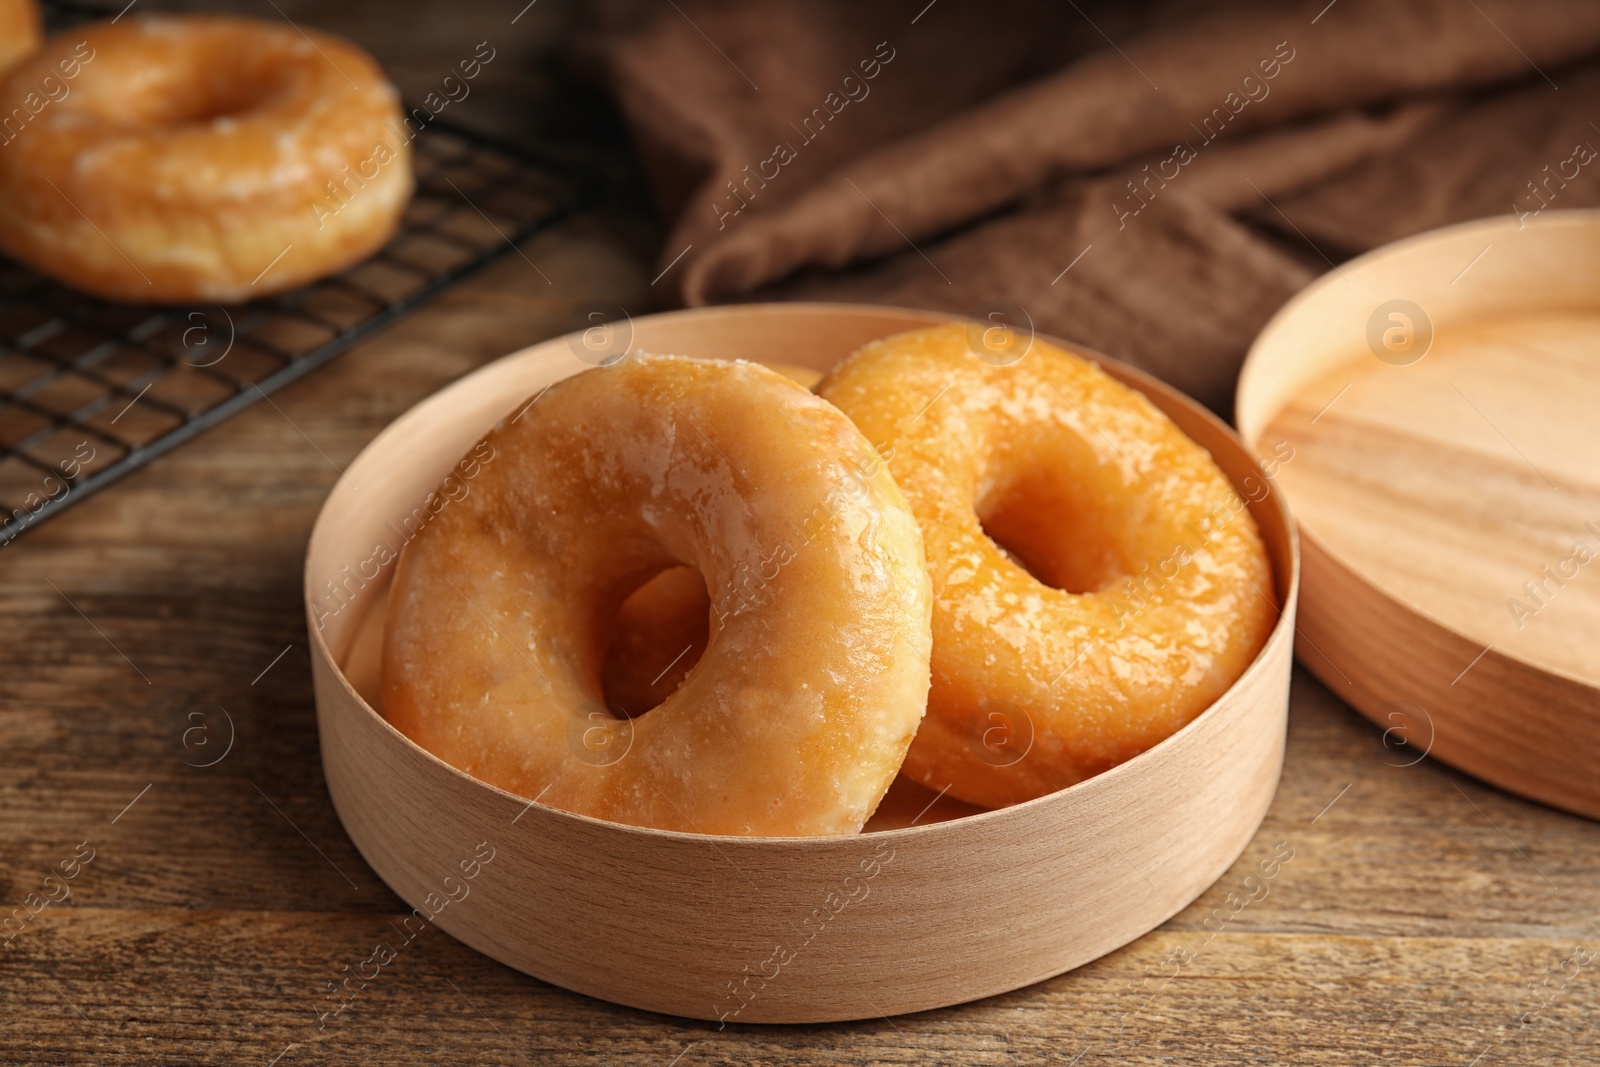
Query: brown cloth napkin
(1153, 182)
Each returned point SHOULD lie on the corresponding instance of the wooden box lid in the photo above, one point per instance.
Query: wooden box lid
(1432, 412)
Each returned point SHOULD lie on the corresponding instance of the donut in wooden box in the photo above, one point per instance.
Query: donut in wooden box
(936, 904)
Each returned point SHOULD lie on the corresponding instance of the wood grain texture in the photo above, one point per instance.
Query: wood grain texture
(773, 930)
(1416, 913)
(1449, 492)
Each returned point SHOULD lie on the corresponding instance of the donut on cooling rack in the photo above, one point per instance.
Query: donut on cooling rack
(1133, 588)
(199, 158)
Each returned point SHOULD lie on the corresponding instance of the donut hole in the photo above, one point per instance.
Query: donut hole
(1045, 524)
(659, 634)
(212, 78)
(208, 99)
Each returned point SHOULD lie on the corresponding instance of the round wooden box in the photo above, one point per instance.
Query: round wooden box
(1431, 410)
(933, 906)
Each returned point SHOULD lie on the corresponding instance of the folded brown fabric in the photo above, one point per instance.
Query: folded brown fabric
(1152, 182)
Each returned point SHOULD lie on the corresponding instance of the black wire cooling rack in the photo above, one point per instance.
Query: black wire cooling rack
(91, 390)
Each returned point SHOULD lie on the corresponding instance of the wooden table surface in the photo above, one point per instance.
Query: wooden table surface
(1424, 918)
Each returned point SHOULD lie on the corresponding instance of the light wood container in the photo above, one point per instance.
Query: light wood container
(1439, 399)
(772, 929)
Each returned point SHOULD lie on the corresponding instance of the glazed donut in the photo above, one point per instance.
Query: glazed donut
(19, 32)
(189, 159)
(815, 672)
(1132, 588)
